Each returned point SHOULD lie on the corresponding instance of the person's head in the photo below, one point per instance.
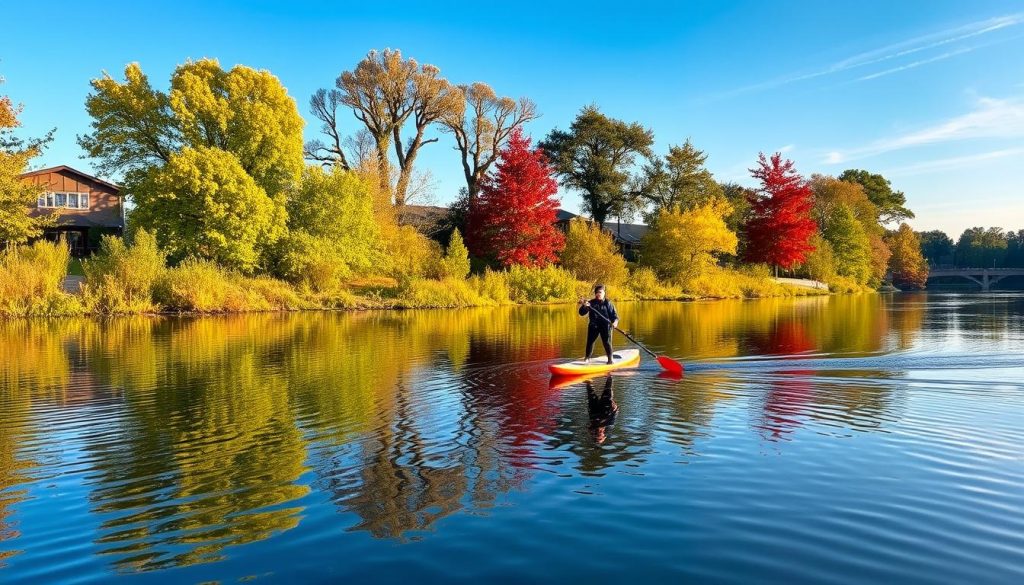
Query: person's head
(599, 292)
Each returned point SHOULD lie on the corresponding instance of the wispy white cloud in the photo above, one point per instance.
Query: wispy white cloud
(787, 148)
(894, 51)
(914, 64)
(953, 163)
(993, 118)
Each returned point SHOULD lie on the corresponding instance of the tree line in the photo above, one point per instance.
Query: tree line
(977, 247)
(218, 171)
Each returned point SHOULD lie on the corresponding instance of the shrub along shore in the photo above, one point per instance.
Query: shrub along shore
(134, 279)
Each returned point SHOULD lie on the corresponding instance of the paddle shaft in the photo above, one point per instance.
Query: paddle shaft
(628, 336)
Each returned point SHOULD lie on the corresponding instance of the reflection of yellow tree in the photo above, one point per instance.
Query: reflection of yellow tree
(908, 318)
(34, 364)
(13, 468)
(767, 326)
(216, 413)
(210, 456)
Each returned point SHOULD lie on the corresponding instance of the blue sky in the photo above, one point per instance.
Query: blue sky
(930, 94)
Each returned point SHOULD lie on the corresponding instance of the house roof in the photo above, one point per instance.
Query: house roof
(630, 233)
(66, 168)
(564, 215)
(426, 218)
(627, 233)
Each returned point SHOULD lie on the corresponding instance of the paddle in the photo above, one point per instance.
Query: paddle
(668, 363)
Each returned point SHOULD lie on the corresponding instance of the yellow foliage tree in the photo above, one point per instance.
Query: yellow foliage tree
(232, 138)
(907, 263)
(202, 203)
(333, 230)
(17, 197)
(455, 263)
(591, 255)
(820, 263)
(681, 245)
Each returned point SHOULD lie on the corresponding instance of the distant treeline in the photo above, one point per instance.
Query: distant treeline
(977, 247)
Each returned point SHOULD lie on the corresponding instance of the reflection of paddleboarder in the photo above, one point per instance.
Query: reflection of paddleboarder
(597, 308)
(601, 409)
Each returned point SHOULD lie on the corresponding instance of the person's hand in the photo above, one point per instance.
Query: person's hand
(615, 323)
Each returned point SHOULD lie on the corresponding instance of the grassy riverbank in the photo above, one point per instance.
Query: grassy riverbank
(134, 280)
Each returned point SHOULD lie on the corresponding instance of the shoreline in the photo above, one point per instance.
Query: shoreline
(400, 306)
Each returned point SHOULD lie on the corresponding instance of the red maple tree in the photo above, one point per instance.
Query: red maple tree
(512, 219)
(780, 225)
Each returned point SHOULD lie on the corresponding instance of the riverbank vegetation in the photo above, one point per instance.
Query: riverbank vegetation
(231, 211)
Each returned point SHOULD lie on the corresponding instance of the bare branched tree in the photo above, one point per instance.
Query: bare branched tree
(324, 106)
(384, 92)
(481, 126)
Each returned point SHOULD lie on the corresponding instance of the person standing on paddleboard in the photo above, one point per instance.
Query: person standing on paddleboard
(599, 307)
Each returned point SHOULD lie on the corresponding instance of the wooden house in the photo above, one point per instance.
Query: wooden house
(86, 207)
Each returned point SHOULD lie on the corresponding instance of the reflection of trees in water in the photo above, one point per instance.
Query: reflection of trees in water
(837, 324)
(218, 415)
(14, 467)
(204, 460)
(399, 483)
(835, 398)
(35, 367)
(406, 482)
(907, 317)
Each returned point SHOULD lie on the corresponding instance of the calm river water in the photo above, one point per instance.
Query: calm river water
(853, 439)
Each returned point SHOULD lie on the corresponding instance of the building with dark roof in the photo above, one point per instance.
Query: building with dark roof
(86, 207)
(626, 235)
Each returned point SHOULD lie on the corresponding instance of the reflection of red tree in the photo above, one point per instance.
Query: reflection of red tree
(786, 403)
(785, 337)
(511, 389)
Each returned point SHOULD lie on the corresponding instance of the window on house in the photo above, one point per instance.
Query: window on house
(69, 200)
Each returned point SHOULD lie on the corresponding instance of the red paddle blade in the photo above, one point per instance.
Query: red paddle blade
(670, 365)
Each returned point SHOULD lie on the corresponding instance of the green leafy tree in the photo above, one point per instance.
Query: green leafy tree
(739, 198)
(595, 157)
(831, 193)
(937, 247)
(891, 204)
(850, 244)
(337, 205)
(202, 203)
(680, 179)
(1015, 249)
(682, 245)
(18, 197)
(907, 264)
(591, 255)
(979, 247)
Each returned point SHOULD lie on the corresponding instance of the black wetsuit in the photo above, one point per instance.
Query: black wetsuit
(598, 326)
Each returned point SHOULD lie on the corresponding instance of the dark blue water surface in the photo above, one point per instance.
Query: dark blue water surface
(863, 439)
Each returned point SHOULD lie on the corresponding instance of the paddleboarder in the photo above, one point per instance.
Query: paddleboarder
(596, 308)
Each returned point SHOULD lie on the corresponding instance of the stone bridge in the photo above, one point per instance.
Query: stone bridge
(985, 277)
